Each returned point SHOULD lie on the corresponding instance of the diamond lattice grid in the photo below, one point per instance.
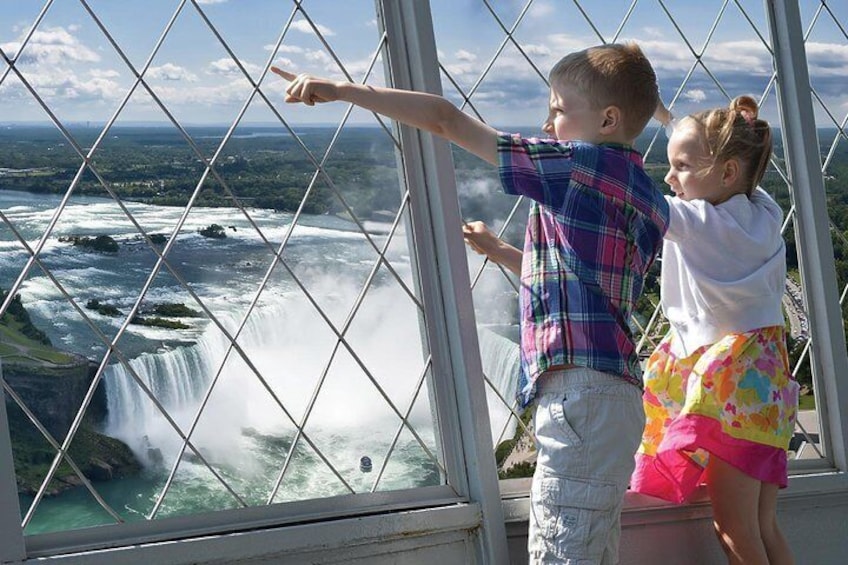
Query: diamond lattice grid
(704, 54)
(260, 270)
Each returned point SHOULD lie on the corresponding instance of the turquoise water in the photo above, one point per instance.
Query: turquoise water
(240, 416)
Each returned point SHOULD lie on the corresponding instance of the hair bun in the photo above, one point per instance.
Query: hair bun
(746, 106)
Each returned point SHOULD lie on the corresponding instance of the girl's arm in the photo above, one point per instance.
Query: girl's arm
(662, 114)
(427, 112)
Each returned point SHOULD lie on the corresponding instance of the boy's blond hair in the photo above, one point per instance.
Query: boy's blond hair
(616, 74)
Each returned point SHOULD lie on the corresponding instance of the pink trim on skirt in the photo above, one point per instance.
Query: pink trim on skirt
(672, 475)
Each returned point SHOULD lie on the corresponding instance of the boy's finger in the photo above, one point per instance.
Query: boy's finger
(285, 74)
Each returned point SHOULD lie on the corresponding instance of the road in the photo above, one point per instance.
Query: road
(793, 303)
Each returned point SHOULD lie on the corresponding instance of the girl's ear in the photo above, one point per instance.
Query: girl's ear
(612, 120)
(730, 173)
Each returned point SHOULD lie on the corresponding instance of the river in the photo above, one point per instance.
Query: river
(240, 414)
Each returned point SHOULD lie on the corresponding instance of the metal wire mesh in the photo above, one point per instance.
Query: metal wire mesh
(278, 278)
(703, 57)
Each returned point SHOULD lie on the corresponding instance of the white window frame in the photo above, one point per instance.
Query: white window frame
(469, 502)
(473, 500)
(811, 481)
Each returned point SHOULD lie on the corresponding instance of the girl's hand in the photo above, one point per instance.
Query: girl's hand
(662, 114)
(307, 89)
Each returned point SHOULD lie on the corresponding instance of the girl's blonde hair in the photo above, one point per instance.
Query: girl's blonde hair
(736, 132)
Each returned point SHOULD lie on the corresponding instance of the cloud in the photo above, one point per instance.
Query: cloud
(285, 48)
(319, 62)
(478, 188)
(51, 46)
(170, 71)
(60, 69)
(459, 70)
(228, 67)
(104, 73)
(65, 87)
(742, 66)
(358, 68)
(319, 56)
(542, 11)
(695, 95)
(750, 56)
(827, 59)
(285, 63)
(304, 27)
(534, 49)
(672, 57)
(227, 94)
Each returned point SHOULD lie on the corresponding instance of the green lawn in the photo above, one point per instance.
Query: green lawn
(16, 347)
(807, 402)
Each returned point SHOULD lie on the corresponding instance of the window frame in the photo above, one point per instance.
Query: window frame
(473, 498)
(456, 386)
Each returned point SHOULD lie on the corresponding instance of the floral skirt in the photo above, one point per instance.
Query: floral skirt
(735, 400)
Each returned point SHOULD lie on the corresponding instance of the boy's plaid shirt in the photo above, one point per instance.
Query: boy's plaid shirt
(595, 226)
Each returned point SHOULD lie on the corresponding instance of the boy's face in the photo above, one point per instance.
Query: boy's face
(571, 116)
(690, 175)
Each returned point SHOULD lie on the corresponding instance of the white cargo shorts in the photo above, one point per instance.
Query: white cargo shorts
(588, 427)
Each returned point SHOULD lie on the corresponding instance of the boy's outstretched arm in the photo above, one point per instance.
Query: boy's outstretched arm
(483, 240)
(427, 112)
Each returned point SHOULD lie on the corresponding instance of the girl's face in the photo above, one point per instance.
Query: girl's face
(571, 116)
(690, 174)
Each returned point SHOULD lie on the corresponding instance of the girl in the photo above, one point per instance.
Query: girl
(719, 398)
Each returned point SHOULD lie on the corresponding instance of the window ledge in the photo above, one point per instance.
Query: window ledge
(397, 531)
(828, 487)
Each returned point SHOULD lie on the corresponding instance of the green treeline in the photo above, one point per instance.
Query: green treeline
(263, 168)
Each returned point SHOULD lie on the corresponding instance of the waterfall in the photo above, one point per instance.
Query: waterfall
(289, 345)
(177, 377)
(501, 364)
(347, 406)
(180, 377)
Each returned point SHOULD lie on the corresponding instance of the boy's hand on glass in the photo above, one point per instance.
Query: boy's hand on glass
(484, 241)
(480, 238)
(307, 89)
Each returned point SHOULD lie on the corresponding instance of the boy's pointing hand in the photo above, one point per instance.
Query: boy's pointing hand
(307, 89)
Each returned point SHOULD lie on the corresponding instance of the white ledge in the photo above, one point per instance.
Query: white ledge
(829, 487)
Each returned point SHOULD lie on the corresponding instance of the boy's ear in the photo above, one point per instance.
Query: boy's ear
(611, 121)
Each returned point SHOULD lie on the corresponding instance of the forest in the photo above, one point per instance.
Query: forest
(259, 167)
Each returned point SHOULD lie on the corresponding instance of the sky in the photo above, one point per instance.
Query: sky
(78, 72)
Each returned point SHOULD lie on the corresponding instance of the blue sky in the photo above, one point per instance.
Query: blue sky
(75, 69)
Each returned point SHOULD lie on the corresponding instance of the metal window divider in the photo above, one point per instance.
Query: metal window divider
(812, 228)
(12, 546)
(457, 384)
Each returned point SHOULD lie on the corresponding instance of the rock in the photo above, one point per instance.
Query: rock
(99, 470)
(53, 393)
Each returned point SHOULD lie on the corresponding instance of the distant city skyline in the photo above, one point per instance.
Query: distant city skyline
(79, 74)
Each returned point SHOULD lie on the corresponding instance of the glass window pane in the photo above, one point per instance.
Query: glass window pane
(703, 55)
(213, 294)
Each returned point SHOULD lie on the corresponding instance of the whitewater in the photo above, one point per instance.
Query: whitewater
(286, 410)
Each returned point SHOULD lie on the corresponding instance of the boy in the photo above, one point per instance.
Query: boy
(594, 228)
